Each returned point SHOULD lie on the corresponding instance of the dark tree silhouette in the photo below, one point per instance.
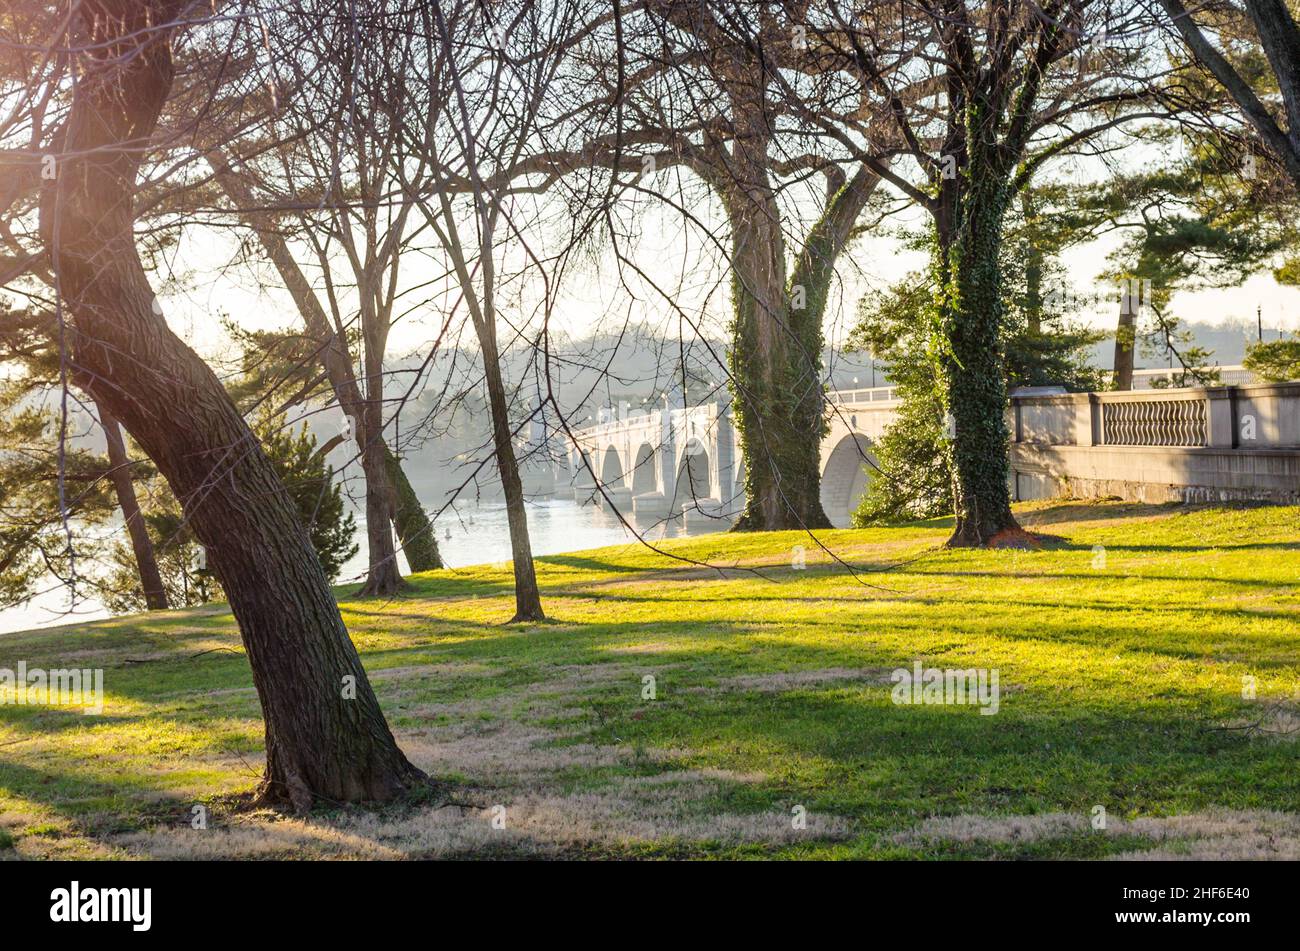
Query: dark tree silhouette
(325, 733)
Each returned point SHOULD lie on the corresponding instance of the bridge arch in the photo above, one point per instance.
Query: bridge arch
(694, 476)
(611, 469)
(845, 477)
(643, 470)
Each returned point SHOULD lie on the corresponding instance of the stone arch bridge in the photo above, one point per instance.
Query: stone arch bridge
(1193, 444)
(687, 461)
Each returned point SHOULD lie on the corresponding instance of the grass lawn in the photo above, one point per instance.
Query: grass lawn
(1121, 649)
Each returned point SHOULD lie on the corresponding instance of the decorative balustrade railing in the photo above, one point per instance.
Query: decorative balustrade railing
(1195, 444)
(691, 420)
(1174, 422)
(1260, 416)
(871, 394)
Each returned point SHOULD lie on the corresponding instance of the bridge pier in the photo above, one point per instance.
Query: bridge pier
(650, 505)
(616, 496)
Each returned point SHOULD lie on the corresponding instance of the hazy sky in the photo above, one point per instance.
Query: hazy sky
(682, 261)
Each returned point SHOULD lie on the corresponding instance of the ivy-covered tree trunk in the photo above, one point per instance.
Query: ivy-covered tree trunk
(326, 736)
(776, 378)
(777, 341)
(970, 310)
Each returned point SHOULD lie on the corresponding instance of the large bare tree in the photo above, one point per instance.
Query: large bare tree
(484, 76)
(724, 89)
(334, 354)
(317, 168)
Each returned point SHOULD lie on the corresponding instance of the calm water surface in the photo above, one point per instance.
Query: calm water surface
(471, 534)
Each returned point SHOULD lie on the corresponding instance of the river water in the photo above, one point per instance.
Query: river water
(472, 533)
(477, 534)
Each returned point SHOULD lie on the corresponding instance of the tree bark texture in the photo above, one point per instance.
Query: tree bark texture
(1125, 339)
(974, 367)
(777, 338)
(326, 736)
(528, 598)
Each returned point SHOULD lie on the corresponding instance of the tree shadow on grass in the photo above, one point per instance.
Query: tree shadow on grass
(863, 756)
(601, 565)
(838, 747)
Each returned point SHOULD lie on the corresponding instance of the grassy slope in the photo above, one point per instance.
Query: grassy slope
(1118, 676)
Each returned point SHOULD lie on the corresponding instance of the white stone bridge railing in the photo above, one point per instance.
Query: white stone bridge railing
(865, 396)
(1154, 422)
(1197, 444)
(1193, 444)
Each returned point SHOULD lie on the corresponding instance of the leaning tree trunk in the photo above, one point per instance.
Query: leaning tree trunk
(414, 530)
(976, 379)
(1280, 38)
(155, 595)
(326, 736)
(383, 577)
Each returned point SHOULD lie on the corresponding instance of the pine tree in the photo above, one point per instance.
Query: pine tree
(317, 498)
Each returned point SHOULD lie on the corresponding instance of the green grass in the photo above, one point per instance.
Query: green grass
(1121, 648)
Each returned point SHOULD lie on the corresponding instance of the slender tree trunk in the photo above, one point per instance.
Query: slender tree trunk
(1125, 338)
(325, 733)
(383, 575)
(155, 595)
(419, 543)
(976, 378)
(528, 599)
